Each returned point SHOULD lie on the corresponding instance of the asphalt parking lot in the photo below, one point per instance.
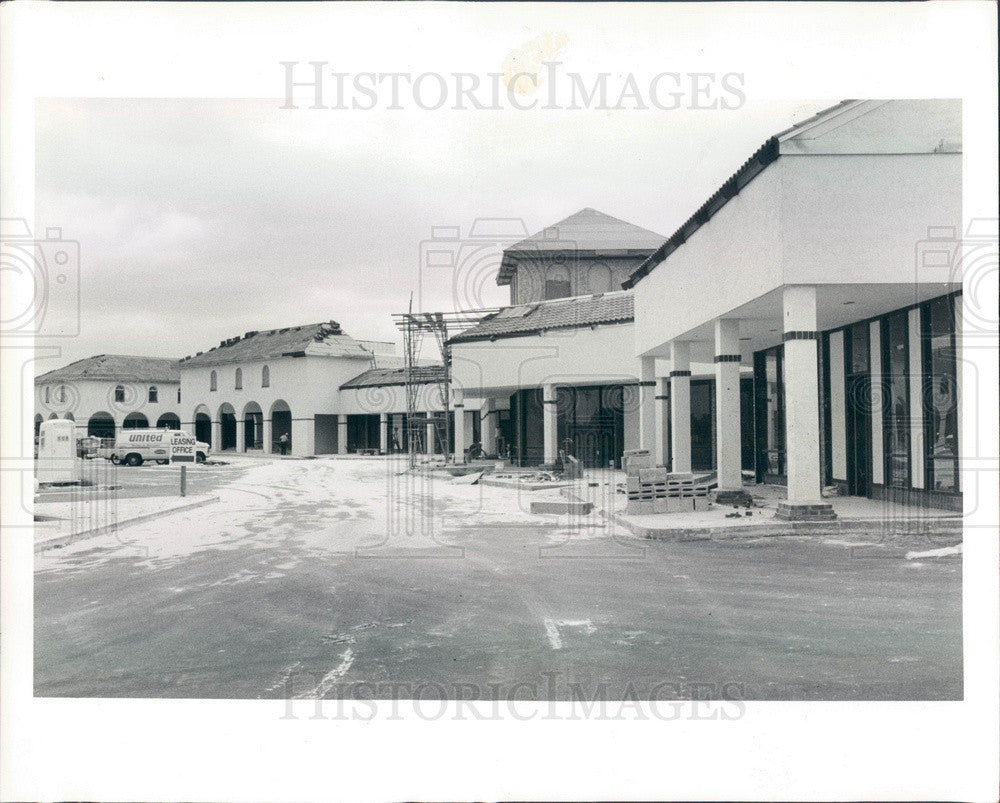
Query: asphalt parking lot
(266, 596)
(106, 480)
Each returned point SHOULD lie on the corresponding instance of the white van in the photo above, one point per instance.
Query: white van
(133, 447)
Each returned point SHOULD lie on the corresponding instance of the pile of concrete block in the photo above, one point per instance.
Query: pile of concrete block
(637, 459)
(654, 490)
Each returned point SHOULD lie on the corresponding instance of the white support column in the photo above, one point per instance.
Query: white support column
(216, 436)
(728, 435)
(838, 407)
(916, 401)
(268, 436)
(550, 428)
(383, 433)
(430, 435)
(470, 426)
(488, 426)
(802, 407)
(680, 407)
(647, 404)
(662, 420)
(958, 384)
(303, 436)
(458, 406)
(341, 433)
(241, 435)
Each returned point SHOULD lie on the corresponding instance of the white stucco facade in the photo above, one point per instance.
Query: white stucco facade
(833, 230)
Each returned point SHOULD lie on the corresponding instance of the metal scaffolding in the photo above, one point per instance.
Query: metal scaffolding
(441, 326)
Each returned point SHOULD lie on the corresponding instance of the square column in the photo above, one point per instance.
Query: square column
(802, 408)
(268, 436)
(647, 403)
(488, 426)
(241, 435)
(458, 406)
(216, 436)
(680, 407)
(662, 400)
(383, 433)
(550, 426)
(341, 433)
(303, 436)
(728, 435)
(430, 434)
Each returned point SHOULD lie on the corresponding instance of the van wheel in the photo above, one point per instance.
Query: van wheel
(162, 462)
(133, 460)
(114, 459)
(200, 457)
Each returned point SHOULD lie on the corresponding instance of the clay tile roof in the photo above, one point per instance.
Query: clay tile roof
(564, 313)
(325, 339)
(383, 377)
(121, 367)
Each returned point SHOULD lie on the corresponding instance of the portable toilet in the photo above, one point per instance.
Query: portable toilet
(57, 452)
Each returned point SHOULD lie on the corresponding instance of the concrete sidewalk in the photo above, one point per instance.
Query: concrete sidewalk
(854, 515)
(58, 524)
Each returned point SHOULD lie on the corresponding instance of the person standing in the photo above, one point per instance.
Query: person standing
(283, 442)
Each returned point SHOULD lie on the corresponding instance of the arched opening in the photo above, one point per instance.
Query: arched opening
(265, 377)
(61, 394)
(239, 379)
(120, 394)
(281, 425)
(47, 394)
(38, 424)
(168, 421)
(101, 425)
(69, 417)
(213, 381)
(53, 416)
(135, 421)
(227, 420)
(203, 424)
(253, 426)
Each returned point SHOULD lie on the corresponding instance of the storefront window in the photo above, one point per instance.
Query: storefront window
(860, 354)
(897, 400)
(941, 396)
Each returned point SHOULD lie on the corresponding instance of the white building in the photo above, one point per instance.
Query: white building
(826, 265)
(558, 369)
(109, 391)
(274, 387)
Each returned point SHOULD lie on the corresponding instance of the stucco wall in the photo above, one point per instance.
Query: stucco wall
(587, 275)
(813, 219)
(390, 399)
(732, 259)
(600, 356)
(309, 385)
(86, 397)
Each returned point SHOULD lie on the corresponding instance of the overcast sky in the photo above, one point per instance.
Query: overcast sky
(202, 219)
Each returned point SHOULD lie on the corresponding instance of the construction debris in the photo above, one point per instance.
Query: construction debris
(654, 490)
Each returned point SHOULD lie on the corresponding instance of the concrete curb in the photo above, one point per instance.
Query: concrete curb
(778, 528)
(69, 538)
(943, 525)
